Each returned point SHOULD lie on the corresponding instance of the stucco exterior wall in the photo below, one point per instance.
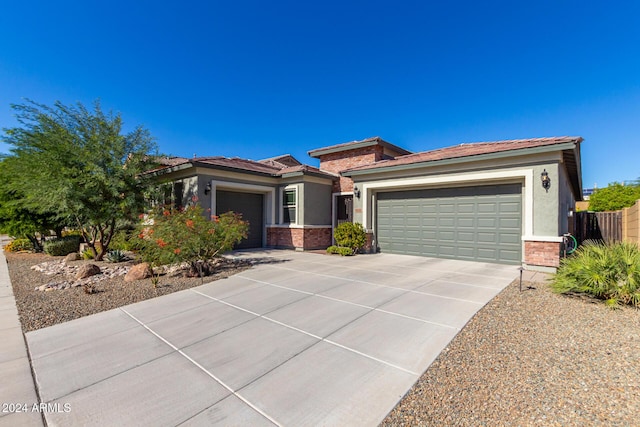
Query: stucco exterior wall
(316, 203)
(567, 202)
(546, 204)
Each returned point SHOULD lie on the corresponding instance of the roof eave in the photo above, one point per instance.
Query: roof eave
(308, 173)
(465, 159)
(169, 169)
(232, 169)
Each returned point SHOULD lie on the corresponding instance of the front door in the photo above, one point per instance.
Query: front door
(344, 209)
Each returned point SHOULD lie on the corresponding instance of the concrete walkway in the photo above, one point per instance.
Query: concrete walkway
(301, 339)
(17, 389)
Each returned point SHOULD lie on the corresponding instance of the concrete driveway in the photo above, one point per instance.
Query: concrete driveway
(300, 339)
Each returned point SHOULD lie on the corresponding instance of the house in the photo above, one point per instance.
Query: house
(504, 201)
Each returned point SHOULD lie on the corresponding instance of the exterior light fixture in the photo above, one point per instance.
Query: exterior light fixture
(546, 181)
(356, 192)
(207, 189)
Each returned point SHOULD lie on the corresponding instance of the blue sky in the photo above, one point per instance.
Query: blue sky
(256, 79)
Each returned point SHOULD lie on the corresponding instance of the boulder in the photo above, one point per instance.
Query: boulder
(73, 256)
(138, 272)
(87, 270)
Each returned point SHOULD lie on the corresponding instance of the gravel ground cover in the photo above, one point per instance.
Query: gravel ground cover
(39, 309)
(533, 358)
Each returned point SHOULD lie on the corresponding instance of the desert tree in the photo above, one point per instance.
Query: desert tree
(80, 165)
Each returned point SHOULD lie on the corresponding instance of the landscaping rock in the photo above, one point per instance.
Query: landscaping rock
(138, 272)
(74, 256)
(87, 270)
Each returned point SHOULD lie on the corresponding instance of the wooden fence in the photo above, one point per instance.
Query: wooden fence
(608, 226)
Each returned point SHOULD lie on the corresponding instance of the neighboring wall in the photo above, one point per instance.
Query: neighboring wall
(631, 223)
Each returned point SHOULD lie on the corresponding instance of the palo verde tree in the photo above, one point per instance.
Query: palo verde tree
(19, 220)
(80, 165)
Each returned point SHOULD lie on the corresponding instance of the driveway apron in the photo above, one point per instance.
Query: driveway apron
(299, 339)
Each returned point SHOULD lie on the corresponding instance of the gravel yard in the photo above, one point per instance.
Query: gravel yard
(527, 358)
(533, 358)
(39, 309)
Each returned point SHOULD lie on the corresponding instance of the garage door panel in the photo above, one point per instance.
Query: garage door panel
(449, 251)
(448, 221)
(485, 237)
(465, 237)
(250, 205)
(446, 236)
(487, 208)
(430, 221)
(510, 207)
(490, 222)
(486, 254)
(446, 208)
(478, 223)
(510, 223)
(510, 255)
(513, 239)
(429, 234)
(413, 221)
(465, 222)
(466, 253)
(415, 234)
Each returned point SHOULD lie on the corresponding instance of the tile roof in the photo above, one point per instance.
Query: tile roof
(470, 149)
(352, 145)
(284, 160)
(307, 169)
(236, 163)
(269, 167)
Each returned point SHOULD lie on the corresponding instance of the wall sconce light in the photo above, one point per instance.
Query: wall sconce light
(207, 189)
(356, 192)
(546, 181)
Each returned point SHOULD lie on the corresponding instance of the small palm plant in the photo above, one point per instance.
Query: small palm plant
(608, 272)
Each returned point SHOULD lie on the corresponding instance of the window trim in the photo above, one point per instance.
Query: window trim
(283, 190)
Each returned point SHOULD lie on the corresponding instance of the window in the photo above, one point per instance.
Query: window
(289, 204)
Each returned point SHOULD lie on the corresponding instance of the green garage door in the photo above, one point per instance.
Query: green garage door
(251, 207)
(472, 223)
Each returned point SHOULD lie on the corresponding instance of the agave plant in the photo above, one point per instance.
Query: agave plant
(609, 272)
(116, 255)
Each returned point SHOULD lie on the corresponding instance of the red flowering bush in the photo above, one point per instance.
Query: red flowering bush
(167, 237)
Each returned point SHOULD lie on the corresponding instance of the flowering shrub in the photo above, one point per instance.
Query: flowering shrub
(19, 245)
(166, 237)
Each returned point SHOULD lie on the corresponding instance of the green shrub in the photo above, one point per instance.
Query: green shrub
(122, 240)
(66, 233)
(340, 250)
(88, 254)
(116, 255)
(332, 250)
(62, 246)
(350, 235)
(19, 245)
(608, 272)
